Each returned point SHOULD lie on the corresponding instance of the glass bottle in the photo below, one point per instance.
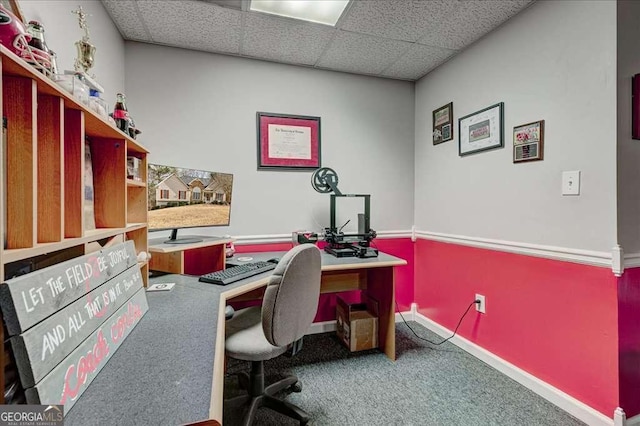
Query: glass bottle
(36, 31)
(120, 113)
(40, 56)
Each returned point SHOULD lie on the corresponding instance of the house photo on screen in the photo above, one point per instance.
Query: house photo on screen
(185, 198)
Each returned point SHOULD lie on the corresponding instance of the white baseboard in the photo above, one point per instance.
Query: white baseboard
(322, 327)
(633, 421)
(566, 402)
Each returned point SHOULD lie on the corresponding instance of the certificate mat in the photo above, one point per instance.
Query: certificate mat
(481, 130)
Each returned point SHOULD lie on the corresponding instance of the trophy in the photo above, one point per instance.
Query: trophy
(86, 53)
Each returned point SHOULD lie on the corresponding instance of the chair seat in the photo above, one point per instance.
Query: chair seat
(245, 338)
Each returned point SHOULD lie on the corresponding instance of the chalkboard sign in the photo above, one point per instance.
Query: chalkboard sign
(70, 378)
(44, 345)
(67, 320)
(28, 299)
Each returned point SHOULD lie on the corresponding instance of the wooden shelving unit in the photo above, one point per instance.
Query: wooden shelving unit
(42, 211)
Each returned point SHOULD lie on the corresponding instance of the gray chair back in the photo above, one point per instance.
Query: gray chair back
(290, 301)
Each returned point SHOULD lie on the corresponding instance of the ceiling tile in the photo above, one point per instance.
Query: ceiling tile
(285, 40)
(418, 61)
(397, 19)
(125, 16)
(360, 53)
(192, 24)
(470, 21)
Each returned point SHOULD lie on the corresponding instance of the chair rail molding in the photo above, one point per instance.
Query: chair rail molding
(587, 257)
(286, 238)
(631, 260)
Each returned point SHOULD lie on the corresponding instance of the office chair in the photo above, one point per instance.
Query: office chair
(258, 334)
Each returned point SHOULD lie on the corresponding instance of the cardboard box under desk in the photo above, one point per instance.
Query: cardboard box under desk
(357, 324)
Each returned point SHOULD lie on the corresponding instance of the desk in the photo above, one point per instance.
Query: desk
(163, 373)
(193, 258)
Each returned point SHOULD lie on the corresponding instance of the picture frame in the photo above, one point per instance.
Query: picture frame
(528, 142)
(288, 142)
(14, 7)
(481, 131)
(635, 107)
(443, 124)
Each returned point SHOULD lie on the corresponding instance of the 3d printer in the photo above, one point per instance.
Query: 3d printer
(339, 244)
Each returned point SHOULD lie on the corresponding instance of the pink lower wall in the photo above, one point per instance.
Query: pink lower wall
(556, 320)
(629, 334)
(399, 247)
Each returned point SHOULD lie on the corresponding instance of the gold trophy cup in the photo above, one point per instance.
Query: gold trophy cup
(85, 58)
(86, 53)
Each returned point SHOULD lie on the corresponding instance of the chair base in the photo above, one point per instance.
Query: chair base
(259, 396)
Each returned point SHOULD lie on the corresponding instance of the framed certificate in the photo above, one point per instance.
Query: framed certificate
(288, 142)
(528, 142)
(481, 131)
(443, 124)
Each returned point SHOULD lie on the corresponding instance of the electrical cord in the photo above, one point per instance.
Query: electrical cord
(427, 340)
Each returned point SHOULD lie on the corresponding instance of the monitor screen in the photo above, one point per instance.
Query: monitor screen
(184, 198)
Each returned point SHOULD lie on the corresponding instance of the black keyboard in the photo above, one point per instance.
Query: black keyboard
(237, 273)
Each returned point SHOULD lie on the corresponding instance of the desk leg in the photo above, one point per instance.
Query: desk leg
(381, 286)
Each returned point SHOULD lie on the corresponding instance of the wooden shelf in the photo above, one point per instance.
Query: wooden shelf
(136, 184)
(95, 125)
(135, 226)
(56, 151)
(14, 255)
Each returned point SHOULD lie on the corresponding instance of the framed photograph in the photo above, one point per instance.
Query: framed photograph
(482, 130)
(288, 142)
(443, 124)
(528, 142)
(13, 7)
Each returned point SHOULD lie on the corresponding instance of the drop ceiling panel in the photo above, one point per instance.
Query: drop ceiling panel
(284, 40)
(125, 15)
(360, 53)
(194, 25)
(400, 20)
(402, 39)
(418, 61)
(470, 21)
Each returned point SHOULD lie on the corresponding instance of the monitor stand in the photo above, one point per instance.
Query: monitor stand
(184, 240)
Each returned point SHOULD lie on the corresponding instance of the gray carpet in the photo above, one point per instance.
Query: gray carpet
(427, 385)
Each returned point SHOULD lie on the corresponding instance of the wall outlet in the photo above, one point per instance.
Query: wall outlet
(482, 306)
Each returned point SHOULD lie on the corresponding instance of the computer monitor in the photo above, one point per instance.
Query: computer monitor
(187, 198)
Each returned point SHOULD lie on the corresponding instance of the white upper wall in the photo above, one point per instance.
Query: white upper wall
(198, 110)
(62, 31)
(555, 61)
(628, 149)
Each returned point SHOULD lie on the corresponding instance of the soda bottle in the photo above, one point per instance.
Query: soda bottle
(39, 54)
(120, 113)
(36, 30)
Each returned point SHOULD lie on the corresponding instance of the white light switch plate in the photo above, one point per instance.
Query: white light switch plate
(571, 183)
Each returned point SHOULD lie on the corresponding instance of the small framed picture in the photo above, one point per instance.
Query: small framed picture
(442, 124)
(481, 131)
(528, 142)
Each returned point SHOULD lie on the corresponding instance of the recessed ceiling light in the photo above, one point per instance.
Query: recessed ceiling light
(321, 11)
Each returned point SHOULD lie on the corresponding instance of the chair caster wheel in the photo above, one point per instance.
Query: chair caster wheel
(296, 387)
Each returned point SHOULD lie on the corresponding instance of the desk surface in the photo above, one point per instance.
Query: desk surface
(162, 373)
(158, 245)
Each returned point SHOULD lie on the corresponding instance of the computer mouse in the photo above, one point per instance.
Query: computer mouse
(274, 260)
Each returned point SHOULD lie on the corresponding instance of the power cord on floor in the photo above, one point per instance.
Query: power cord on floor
(427, 340)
